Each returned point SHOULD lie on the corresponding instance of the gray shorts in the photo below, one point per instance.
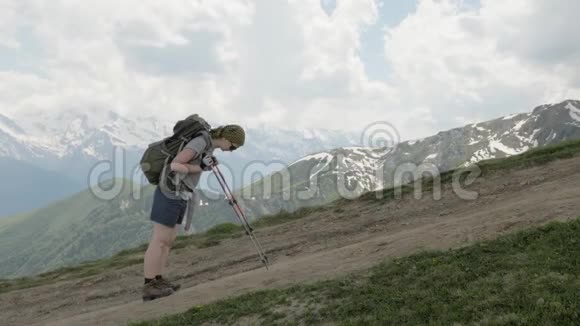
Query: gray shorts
(167, 211)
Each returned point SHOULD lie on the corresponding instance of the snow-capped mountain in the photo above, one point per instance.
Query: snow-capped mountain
(92, 136)
(353, 167)
(77, 142)
(316, 175)
(502, 137)
(351, 171)
(32, 135)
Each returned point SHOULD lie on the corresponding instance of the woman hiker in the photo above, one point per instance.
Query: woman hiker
(169, 208)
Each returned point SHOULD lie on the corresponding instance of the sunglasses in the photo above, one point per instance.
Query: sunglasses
(233, 148)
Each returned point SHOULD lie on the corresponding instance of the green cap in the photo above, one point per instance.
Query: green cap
(234, 134)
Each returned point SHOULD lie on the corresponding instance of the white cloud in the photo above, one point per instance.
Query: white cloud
(457, 62)
(289, 64)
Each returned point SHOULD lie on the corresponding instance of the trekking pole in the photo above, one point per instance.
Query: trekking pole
(240, 214)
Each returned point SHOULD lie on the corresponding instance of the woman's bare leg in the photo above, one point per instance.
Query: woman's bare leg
(164, 263)
(156, 255)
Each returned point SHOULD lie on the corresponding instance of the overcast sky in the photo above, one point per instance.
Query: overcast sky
(423, 66)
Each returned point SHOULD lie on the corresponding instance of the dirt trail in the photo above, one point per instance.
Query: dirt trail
(353, 237)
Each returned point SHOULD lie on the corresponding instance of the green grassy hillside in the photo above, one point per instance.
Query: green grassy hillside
(67, 232)
(528, 278)
(25, 186)
(84, 227)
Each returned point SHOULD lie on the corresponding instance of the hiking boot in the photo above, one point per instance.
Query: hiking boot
(174, 287)
(156, 289)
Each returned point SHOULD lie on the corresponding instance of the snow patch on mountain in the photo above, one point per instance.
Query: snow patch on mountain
(574, 111)
(480, 128)
(499, 146)
(551, 136)
(322, 166)
(356, 149)
(481, 155)
(414, 141)
(9, 127)
(324, 156)
(91, 151)
(431, 156)
(474, 141)
(519, 125)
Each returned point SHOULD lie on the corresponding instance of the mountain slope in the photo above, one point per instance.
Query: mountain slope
(444, 287)
(84, 227)
(349, 172)
(24, 186)
(316, 179)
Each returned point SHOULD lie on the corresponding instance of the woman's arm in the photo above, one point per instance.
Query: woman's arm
(179, 163)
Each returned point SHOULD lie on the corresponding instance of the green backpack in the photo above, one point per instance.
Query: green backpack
(159, 154)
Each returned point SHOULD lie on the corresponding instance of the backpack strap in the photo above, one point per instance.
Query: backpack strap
(181, 187)
(207, 139)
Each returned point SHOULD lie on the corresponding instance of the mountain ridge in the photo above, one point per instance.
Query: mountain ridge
(458, 147)
(80, 145)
